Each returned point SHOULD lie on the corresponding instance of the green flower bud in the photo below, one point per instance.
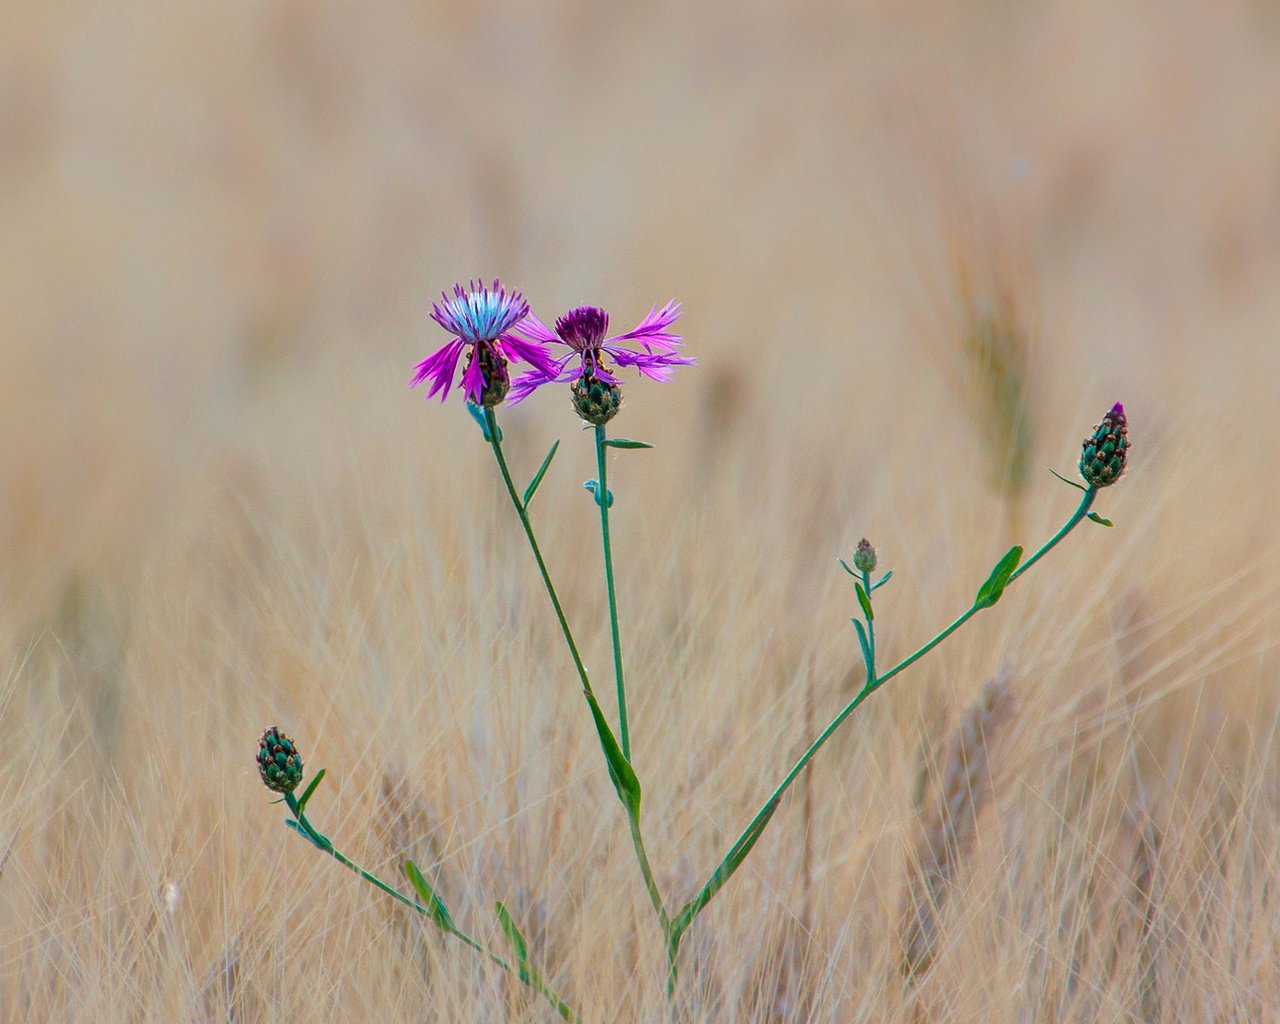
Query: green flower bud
(1106, 452)
(279, 762)
(864, 556)
(594, 400)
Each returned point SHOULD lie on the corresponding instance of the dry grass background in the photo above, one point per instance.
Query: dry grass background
(219, 508)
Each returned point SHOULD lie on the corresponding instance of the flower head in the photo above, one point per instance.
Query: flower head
(864, 557)
(279, 762)
(584, 331)
(1105, 453)
(482, 319)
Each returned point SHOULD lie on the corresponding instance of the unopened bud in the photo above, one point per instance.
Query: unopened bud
(864, 556)
(279, 762)
(1106, 452)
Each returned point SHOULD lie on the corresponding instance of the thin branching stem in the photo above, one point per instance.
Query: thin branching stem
(737, 854)
(322, 842)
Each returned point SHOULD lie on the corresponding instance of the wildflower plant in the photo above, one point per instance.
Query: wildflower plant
(494, 326)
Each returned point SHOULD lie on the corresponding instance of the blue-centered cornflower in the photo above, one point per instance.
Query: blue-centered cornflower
(482, 319)
(584, 331)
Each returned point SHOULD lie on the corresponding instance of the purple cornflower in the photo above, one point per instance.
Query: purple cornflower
(583, 330)
(482, 318)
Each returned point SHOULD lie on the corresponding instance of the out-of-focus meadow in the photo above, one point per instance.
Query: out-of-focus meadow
(921, 249)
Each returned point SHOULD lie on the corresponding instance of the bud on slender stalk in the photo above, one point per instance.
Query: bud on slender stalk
(1106, 452)
(279, 762)
(864, 556)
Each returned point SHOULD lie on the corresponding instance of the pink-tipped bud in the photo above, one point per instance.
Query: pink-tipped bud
(1105, 453)
(864, 556)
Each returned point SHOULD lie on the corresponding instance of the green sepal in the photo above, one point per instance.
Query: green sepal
(990, 592)
(883, 580)
(1079, 487)
(620, 770)
(594, 487)
(624, 442)
(865, 601)
(430, 898)
(311, 788)
(518, 944)
(477, 414)
(865, 644)
(1100, 520)
(537, 477)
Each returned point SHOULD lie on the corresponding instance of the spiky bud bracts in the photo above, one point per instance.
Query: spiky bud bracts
(1106, 452)
(279, 762)
(595, 400)
(864, 556)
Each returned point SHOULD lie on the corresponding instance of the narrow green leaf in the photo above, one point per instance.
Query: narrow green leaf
(620, 770)
(623, 442)
(1079, 487)
(883, 580)
(732, 861)
(865, 644)
(850, 571)
(990, 592)
(865, 601)
(537, 477)
(430, 899)
(311, 788)
(518, 944)
(1100, 520)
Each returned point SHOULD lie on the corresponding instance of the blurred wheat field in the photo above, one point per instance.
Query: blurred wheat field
(921, 249)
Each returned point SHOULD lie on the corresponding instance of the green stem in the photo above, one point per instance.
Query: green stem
(871, 628)
(602, 499)
(637, 839)
(655, 896)
(523, 513)
(734, 859)
(534, 981)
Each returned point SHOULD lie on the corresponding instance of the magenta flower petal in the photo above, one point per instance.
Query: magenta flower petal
(439, 367)
(531, 352)
(653, 328)
(473, 381)
(535, 330)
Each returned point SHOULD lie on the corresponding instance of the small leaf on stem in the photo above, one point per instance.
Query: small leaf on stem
(865, 601)
(594, 487)
(624, 442)
(518, 943)
(1100, 520)
(620, 770)
(865, 644)
(1079, 487)
(430, 899)
(311, 788)
(537, 477)
(989, 593)
(883, 580)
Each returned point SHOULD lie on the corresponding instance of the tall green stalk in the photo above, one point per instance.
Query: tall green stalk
(604, 500)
